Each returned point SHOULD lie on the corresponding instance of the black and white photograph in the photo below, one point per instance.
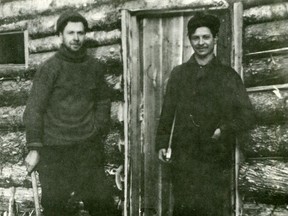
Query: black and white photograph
(143, 108)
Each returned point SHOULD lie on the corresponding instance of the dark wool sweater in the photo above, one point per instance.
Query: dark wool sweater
(69, 101)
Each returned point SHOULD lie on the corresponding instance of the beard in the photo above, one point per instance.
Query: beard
(73, 46)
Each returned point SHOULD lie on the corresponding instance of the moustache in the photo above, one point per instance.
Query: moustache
(77, 44)
(200, 47)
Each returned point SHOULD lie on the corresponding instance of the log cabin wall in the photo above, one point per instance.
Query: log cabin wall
(263, 175)
(37, 18)
(263, 180)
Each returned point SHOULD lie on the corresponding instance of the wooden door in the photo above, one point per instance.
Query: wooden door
(154, 43)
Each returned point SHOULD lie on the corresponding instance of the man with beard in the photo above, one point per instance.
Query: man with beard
(66, 118)
(209, 106)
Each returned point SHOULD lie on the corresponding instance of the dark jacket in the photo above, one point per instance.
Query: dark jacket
(69, 101)
(203, 98)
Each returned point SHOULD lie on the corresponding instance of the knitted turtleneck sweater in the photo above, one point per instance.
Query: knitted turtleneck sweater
(68, 102)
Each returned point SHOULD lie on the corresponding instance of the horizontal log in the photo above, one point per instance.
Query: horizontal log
(35, 60)
(34, 7)
(96, 38)
(265, 70)
(263, 36)
(105, 17)
(11, 117)
(268, 107)
(114, 82)
(101, 38)
(117, 111)
(12, 72)
(114, 147)
(264, 181)
(15, 26)
(14, 93)
(14, 175)
(12, 149)
(253, 209)
(266, 141)
(20, 73)
(23, 198)
(265, 13)
(253, 3)
(46, 44)
(109, 54)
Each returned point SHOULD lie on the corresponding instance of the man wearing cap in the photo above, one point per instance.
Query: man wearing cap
(209, 106)
(66, 118)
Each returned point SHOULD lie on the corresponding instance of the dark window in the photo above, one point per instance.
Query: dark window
(12, 48)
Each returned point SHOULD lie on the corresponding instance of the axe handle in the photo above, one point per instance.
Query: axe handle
(35, 193)
(12, 203)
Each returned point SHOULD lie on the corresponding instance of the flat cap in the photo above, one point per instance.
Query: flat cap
(70, 16)
(201, 19)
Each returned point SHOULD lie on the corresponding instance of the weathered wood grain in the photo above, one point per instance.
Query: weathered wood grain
(16, 8)
(269, 109)
(109, 54)
(23, 198)
(14, 175)
(12, 72)
(11, 117)
(96, 38)
(114, 147)
(21, 74)
(34, 7)
(264, 181)
(266, 70)
(255, 209)
(153, 31)
(266, 141)
(255, 3)
(104, 17)
(14, 93)
(12, 149)
(264, 13)
(263, 36)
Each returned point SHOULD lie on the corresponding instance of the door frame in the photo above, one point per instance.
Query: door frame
(133, 106)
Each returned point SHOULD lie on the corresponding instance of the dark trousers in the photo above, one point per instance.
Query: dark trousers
(78, 170)
(201, 189)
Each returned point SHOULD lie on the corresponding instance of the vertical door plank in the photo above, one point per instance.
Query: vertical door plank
(152, 69)
(125, 19)
(187, 49)
(237, 64)
(172, 56)
(130, 42)
(224, 42)
(172, 45)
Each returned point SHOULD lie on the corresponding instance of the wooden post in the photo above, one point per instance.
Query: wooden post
(35, 194)
(237, 64)
(130, 46)
(11, 207)
(124, 37)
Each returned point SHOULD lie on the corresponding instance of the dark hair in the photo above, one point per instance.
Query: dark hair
(203, 20)
(70, 16)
